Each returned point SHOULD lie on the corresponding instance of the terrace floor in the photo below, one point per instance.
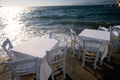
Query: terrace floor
(75, 71)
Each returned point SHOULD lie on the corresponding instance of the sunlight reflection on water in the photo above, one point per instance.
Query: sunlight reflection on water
(12, 27)
(10, 18)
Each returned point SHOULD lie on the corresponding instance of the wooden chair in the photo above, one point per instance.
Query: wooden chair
(114, 41)
(75, 43)
(56, 59)
(91, 51)
(52, 35)
(25, 68)
(102, 28)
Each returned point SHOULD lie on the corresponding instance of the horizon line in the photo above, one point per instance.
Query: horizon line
(61, 5)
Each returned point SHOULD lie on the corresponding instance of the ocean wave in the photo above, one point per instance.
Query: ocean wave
(109, 13)
(86, 23)
(56, 17)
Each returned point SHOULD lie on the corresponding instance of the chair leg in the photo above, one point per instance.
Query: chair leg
(101, 62)
(12, 77)
(96, 60)
(109, 55)
(64, 72)
(95, 65)
(83, 60)
(52, 76)
(73, 53)
(80, 54)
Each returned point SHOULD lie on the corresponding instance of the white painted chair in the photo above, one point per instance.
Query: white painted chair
(102, 28)
(24, 68)
(114, 41)
(91, 50)
(75, 43)
(56, 59)
(7, 46)
(52, 35)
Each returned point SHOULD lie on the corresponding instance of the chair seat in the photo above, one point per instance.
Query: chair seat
(28, 77)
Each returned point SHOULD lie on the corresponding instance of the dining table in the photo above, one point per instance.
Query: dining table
(36, 47)
(103, 36)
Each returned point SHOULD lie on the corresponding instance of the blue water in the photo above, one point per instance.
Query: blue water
(75, 15)
(20, 24)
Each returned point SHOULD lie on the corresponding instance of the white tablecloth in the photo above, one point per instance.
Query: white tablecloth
(104, 36)
(36, 47)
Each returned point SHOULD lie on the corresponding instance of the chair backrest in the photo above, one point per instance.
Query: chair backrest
(7, 46)
(56, 55)
(24, 67)
(114, 35)
(102, 28)
(73, 37)
(92, 45)
(72, 34)
(52, 35)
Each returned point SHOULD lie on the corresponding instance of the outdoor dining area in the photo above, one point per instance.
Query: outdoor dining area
(90, 55)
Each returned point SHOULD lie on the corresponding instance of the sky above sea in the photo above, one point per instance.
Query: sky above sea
(53, 2)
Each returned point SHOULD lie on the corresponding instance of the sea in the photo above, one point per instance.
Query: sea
(22, 23)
